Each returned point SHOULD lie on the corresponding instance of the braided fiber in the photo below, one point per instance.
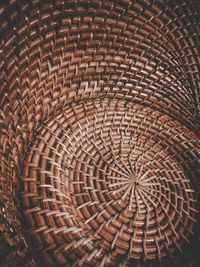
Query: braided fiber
(99, 133)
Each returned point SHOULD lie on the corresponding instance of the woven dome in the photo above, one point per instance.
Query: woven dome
(99, 133)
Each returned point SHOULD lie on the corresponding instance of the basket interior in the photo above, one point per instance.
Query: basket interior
(99, 133)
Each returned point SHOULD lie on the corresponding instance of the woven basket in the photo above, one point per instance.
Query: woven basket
(99, 133)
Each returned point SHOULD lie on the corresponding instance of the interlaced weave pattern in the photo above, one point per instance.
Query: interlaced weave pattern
(99, 133)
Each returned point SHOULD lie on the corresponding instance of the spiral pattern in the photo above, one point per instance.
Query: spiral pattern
(99, 123)
(103, 182)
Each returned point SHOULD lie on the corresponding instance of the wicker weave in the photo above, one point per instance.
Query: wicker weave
(99, 133)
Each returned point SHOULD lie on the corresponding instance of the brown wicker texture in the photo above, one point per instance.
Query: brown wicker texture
(99, 133)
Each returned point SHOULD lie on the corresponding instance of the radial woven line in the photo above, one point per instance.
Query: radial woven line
(99, 133)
